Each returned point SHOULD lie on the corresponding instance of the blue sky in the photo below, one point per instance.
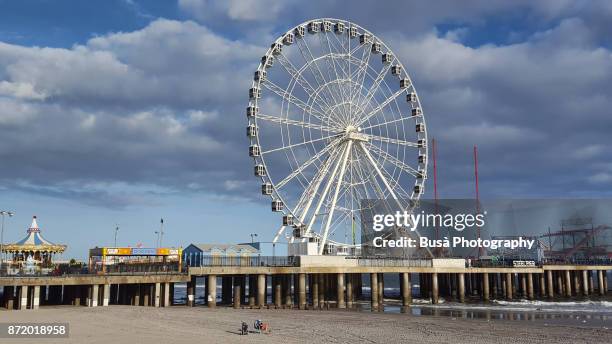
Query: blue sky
(122, 112)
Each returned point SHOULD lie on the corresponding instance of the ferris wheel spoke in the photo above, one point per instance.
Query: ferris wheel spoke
(331, 65)
(381, 106)
(375, 85)
(318, 76)
(321, 82)
(338, 221)
(279, 120)
(366, 65)
(332, 73)
(394, 141)
(307, 163)
(389, 122)
(364, 62)
(298, 77)
(298, 144)
(323, 195)
(335, 197)
(311, 192)
(377, 169)
(388, 157)
(293, 99)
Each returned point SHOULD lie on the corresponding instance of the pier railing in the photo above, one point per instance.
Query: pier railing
(81, 270)
(245, 261)
(392, 262)
(577, 261)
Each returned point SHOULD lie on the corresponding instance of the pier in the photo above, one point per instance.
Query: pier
(25, 292)
(313, 282)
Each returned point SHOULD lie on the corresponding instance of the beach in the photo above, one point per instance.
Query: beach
(128, 324)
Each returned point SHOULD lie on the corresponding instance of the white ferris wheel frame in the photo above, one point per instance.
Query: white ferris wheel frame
(340, 139)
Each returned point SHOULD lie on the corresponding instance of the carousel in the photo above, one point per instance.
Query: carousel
(33, 251)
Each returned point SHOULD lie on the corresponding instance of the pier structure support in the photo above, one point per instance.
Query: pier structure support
(461, 287)
(577, 289)
(157, 294)
(585, 282)
(485, 287)
(277, 290)
(600, 281)
(542, 284)
(405, 289)
(560, 285)
(22, 297)
(261, 291)
(605, 281)
(374, 291)
(92, 297)
(35, 297)
(106, 291)
(287, 298)
(591, 282)
(523, 280)
(359, 287)
(165, 295)
(435, 290)
(350, 290)
(314, 278)
(322, 290)
(340, 291)
(530, 291)
(237, 291)
(211, 298)
(301, 286)
(568, 284)
(252, 290)
(509, 285)
(191, 287)
(381, 291)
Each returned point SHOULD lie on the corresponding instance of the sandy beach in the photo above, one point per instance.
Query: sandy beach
(125, 324)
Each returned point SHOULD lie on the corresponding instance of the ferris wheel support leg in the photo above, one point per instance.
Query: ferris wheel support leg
(335, 198)
(323, 196)
(278, 234)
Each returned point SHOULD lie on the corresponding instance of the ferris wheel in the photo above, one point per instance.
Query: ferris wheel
(334, 119)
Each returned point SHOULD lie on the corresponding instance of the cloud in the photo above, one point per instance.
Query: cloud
(601, 178)
(249, 10)
(127, 116)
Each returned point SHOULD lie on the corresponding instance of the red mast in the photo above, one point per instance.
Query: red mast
(435, 173)
(477, 193)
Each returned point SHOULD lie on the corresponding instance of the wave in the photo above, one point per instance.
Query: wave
(530, 306)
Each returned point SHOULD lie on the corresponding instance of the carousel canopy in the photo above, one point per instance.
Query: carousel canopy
(34, 241)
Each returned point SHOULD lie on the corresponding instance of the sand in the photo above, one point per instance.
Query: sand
(126, 324)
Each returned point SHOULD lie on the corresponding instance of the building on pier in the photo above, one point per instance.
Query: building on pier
(196, 254)
(134, 259)
(32, 254)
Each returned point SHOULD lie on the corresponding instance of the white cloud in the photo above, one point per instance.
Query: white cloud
(249, 10)
(20, 90)
(164, 105)
(601, 178)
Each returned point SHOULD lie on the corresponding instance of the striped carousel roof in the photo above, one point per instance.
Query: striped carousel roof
(34, 241)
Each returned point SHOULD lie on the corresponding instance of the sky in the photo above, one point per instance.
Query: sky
(122, 112)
